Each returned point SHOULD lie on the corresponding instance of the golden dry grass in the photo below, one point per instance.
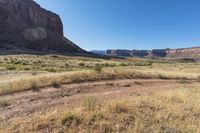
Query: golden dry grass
(47, 79)
(173, 111)
(45, 70)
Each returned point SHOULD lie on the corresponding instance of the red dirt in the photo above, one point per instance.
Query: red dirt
(27, 102)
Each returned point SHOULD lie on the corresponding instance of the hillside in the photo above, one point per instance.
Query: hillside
(28, 28)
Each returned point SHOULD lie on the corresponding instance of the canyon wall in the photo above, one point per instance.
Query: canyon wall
(26, 27)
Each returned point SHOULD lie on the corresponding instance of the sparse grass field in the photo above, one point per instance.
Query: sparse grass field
(21, 72)
(165, 111)
(48, 95)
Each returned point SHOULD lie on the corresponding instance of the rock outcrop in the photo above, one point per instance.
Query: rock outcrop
(128, 53)
(25, 27)
(193, 52)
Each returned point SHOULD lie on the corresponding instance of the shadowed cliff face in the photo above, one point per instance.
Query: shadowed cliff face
(25, 26)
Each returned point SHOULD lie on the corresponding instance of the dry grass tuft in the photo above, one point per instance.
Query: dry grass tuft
(71, 119)
(90, 103)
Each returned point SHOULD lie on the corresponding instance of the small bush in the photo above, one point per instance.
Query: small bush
(66, 65)
(35, 87)
(56, 84)
(81, 64)
(160, 76)
(98, 68)
(11, 67)
(70, 119)
(27, 68)
(90, 102)
(53, 70)
(106, 65)
(123, 64)
(119, 108)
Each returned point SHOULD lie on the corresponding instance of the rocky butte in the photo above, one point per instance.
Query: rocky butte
(193, 52)
(25, 27)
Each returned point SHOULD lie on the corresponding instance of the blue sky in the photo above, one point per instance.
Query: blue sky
(129, 24)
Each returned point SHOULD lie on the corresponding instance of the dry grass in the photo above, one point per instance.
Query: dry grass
(51, 69)
(173, 111)
(46, 79)
(166, 111)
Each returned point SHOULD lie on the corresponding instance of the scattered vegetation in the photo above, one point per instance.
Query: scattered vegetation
(44, 70)
(175, 110)
(154, 112)
(47, 79)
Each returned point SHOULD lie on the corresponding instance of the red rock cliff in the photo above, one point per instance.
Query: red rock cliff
(24, 25)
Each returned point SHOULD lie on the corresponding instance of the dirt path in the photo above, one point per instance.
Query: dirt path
(27, 102)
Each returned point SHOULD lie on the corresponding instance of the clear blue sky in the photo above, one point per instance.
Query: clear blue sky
(129, 24)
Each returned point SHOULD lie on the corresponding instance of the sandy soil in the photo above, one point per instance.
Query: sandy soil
(27, 102)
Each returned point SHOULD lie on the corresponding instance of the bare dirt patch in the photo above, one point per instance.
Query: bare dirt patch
(28, 102)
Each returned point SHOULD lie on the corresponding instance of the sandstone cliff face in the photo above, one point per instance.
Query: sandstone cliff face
(177, 53)
(25, 26)
(184, 52)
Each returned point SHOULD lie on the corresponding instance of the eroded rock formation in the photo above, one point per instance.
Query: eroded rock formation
(193, 52)
(26, 27)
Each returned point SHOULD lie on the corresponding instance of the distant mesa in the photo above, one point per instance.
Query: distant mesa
(25, 27)
(99, 52)
(193, 52)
